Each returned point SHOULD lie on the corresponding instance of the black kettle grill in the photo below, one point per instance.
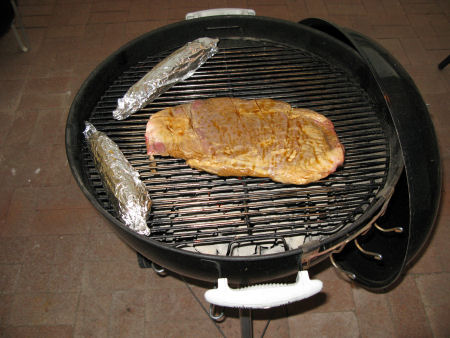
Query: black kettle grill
(371, 217)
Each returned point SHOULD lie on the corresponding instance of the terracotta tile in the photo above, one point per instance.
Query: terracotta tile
(97, 222)
(370, 306)
(66, 277)
(95, 55)
(21, 210)
(427, 261)
(434, 291)
(36, 21)
(18, 223)
(279, 11)
(41, 249)
(49, 85)
(316, 8)
(21, 129)
(117, 275)
(6, 121)
(234, 4)
(334, 324)
(171, 305)
(438, 317)
(115, 36)
(441, 242)
(199, 328)
(110, 6)
(6, 193)
(231, 325)
(428, 79)
(407, 310)
(324, 271)
(127, 314)
(415, 51)
(71, 249)
(252, 3)
(60, 331)
(8, 277)
(39, 101)
(13, 68)
(57, 64)
(6, 301)
(12, 250)
(61, 197)
(436, 43)
(108, 246)
(43, 309)
(49, 130)
(70, 14)
(60, 222)
(21, 168)
(147, 10)
(23, 198)
(93, 34)
(171, 280)
(339, 8)
(274, 321)
(192, 3)
(65, 31)
(297, 9)
(11, 93)
(438, 108)
(34, 277)
(395, 47)
(391, 31)
(179, 13)
(107, 17)
(336, 295)
(422, 8)
(93, 315)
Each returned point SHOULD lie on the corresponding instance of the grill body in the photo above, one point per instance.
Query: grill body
(259, 57)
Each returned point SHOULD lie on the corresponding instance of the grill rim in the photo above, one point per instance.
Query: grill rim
(123, 55)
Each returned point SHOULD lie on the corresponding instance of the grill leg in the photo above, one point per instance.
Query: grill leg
(444, 62)
(245, 316)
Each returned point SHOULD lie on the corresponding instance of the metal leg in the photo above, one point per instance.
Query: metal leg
(21, 40)
(444, 62)
(245, 316)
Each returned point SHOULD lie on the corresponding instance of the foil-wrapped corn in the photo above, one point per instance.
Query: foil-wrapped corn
(125, 189)
(178, 66)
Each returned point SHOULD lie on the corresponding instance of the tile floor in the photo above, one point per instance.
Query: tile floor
(65, 274)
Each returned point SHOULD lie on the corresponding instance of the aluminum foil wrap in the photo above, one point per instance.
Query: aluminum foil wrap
(124, 187)
(178, 66)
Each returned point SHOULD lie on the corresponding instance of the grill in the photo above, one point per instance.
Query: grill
(253, 229)
(194, 210)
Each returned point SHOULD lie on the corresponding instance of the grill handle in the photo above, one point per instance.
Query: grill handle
(263, 296)
(219, 11)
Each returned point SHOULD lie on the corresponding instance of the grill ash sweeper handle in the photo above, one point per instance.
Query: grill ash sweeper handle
(263, 296)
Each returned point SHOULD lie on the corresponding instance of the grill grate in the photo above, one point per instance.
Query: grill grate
(200, 211)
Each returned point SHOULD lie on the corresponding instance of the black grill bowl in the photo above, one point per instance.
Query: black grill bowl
(258, 57)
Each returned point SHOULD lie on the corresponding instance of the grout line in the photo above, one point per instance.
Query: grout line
(201, 305)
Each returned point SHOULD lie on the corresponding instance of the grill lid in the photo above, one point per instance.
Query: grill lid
(415, 203)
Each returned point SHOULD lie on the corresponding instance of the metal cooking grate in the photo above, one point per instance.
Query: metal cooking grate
(200, 211)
